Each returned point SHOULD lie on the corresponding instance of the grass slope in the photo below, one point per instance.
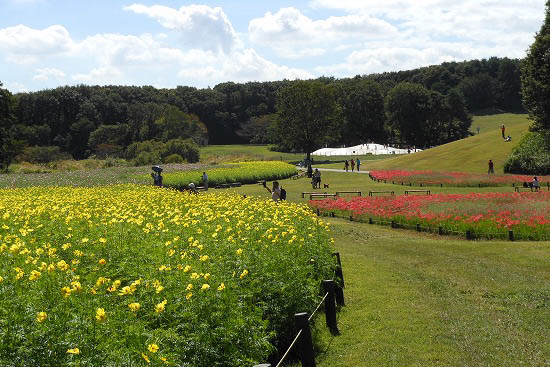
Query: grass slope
(466, 155)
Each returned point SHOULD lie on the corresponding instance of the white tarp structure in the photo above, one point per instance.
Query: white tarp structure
(363, 149)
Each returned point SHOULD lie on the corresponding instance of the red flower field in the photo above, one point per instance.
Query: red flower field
(431, 178)
(489, 215)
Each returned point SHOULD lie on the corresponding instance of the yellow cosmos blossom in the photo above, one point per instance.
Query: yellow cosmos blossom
(163, 359)
(34, 275)
(102, 261)
(195, 276)
(62, 265)
(206, 276)
(189, 295)
(66, 292)
(73, 351)
(102, 240)
(221, 287)
(244, 273)
(203, 258)
(76, 286)
(145, 358)
(189, 287)
(239, 251)
(187, 268)
(1, 279)
(134, 306)
(153, 348)
(41, 316)
(84, 240)
(100, 315)
(205, 287)
(160, 306)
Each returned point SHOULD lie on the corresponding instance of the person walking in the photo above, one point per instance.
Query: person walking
(317, 178)
(358, 164)
(503, 129)
(352, 165)
(491, 167)
(346, 165)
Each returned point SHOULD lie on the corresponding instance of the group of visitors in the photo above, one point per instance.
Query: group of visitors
(353, 164)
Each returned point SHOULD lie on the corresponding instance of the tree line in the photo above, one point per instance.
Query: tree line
(422, 107)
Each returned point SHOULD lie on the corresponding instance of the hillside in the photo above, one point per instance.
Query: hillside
(470, 154)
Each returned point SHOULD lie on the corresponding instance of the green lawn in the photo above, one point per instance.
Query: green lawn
(467, 155)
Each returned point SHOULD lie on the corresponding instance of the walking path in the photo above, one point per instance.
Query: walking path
(339, 170)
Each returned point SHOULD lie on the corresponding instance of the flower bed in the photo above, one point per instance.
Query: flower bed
(128, 275)
(431, 178)
(489, 215)
(244, 172)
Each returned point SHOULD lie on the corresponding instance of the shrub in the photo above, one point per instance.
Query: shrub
(146, 158)
(42, 154)
(173, 158)
(244, 172)
(185, 148)
(531, 155)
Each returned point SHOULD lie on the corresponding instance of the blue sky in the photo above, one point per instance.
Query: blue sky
(47, 43)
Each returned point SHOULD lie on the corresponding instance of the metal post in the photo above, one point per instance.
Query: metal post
(511, 235)
(305, 351)
(330, 305)
(418, 227)
(370, 220)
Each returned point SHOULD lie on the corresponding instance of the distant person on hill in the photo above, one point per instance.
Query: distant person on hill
(352, 165)
(346, 165)
(491, 167)
(535, 184)
(358, 164)
(503, 129)
(508, 138)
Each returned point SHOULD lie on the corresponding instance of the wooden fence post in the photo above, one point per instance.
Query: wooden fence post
(370, 220)
(511, 235)
(330, 305)
(306, 342)
(418, 227)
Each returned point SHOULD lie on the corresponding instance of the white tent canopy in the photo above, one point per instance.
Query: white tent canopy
(363, 149)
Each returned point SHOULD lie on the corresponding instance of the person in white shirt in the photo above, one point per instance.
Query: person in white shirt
(275, 192)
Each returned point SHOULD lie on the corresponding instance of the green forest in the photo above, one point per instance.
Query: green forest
(422, 107)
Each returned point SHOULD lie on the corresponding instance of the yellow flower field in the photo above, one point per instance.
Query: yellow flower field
(130, 275)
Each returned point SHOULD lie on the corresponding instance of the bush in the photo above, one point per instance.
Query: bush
(42, 154)
(244, 172)
(146, 158)
(531, 155)
(173, 158)
(185, 148)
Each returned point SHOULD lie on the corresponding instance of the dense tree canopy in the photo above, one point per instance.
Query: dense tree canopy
(536, 76)
(307, 116)
(7, 143)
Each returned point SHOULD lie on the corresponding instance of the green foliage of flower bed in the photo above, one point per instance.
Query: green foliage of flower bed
(244, 172)
(132, 275)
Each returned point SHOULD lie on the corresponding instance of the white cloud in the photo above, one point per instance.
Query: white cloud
(293, 34)
(24, 41)
(46, 73)
(199, 26)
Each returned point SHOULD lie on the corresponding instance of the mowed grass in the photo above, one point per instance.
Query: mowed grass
(466, 155)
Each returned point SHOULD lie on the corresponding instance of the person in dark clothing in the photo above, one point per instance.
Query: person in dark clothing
(491, 167)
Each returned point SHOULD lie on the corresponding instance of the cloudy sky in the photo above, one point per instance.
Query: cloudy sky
(165, 43)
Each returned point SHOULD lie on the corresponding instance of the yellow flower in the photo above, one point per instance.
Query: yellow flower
(164, 360)
(189, 287)
(100, 315)
(195, 276)
(73, 351)
(102, 240)
(243, 274)
(1, 279)
(84, 240)
(66, 292)
(76, 286)
(144, 356)
(203, 258)
(160, 306)
(205, 287)
(102, 261)
(159, 288)
(41, 316)
(189, 295)
(206, 276)
(34, 275)
(221, 287)
(134, 306)
(187, 268)
(239, 251)
(153, 348)
(62, 265)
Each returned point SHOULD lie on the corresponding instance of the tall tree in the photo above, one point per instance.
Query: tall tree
(7, 120)
(408, 107)
(363, 108)
(307, 116)
(535, 77)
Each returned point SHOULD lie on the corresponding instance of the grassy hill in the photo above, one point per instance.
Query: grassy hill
(466, 155)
